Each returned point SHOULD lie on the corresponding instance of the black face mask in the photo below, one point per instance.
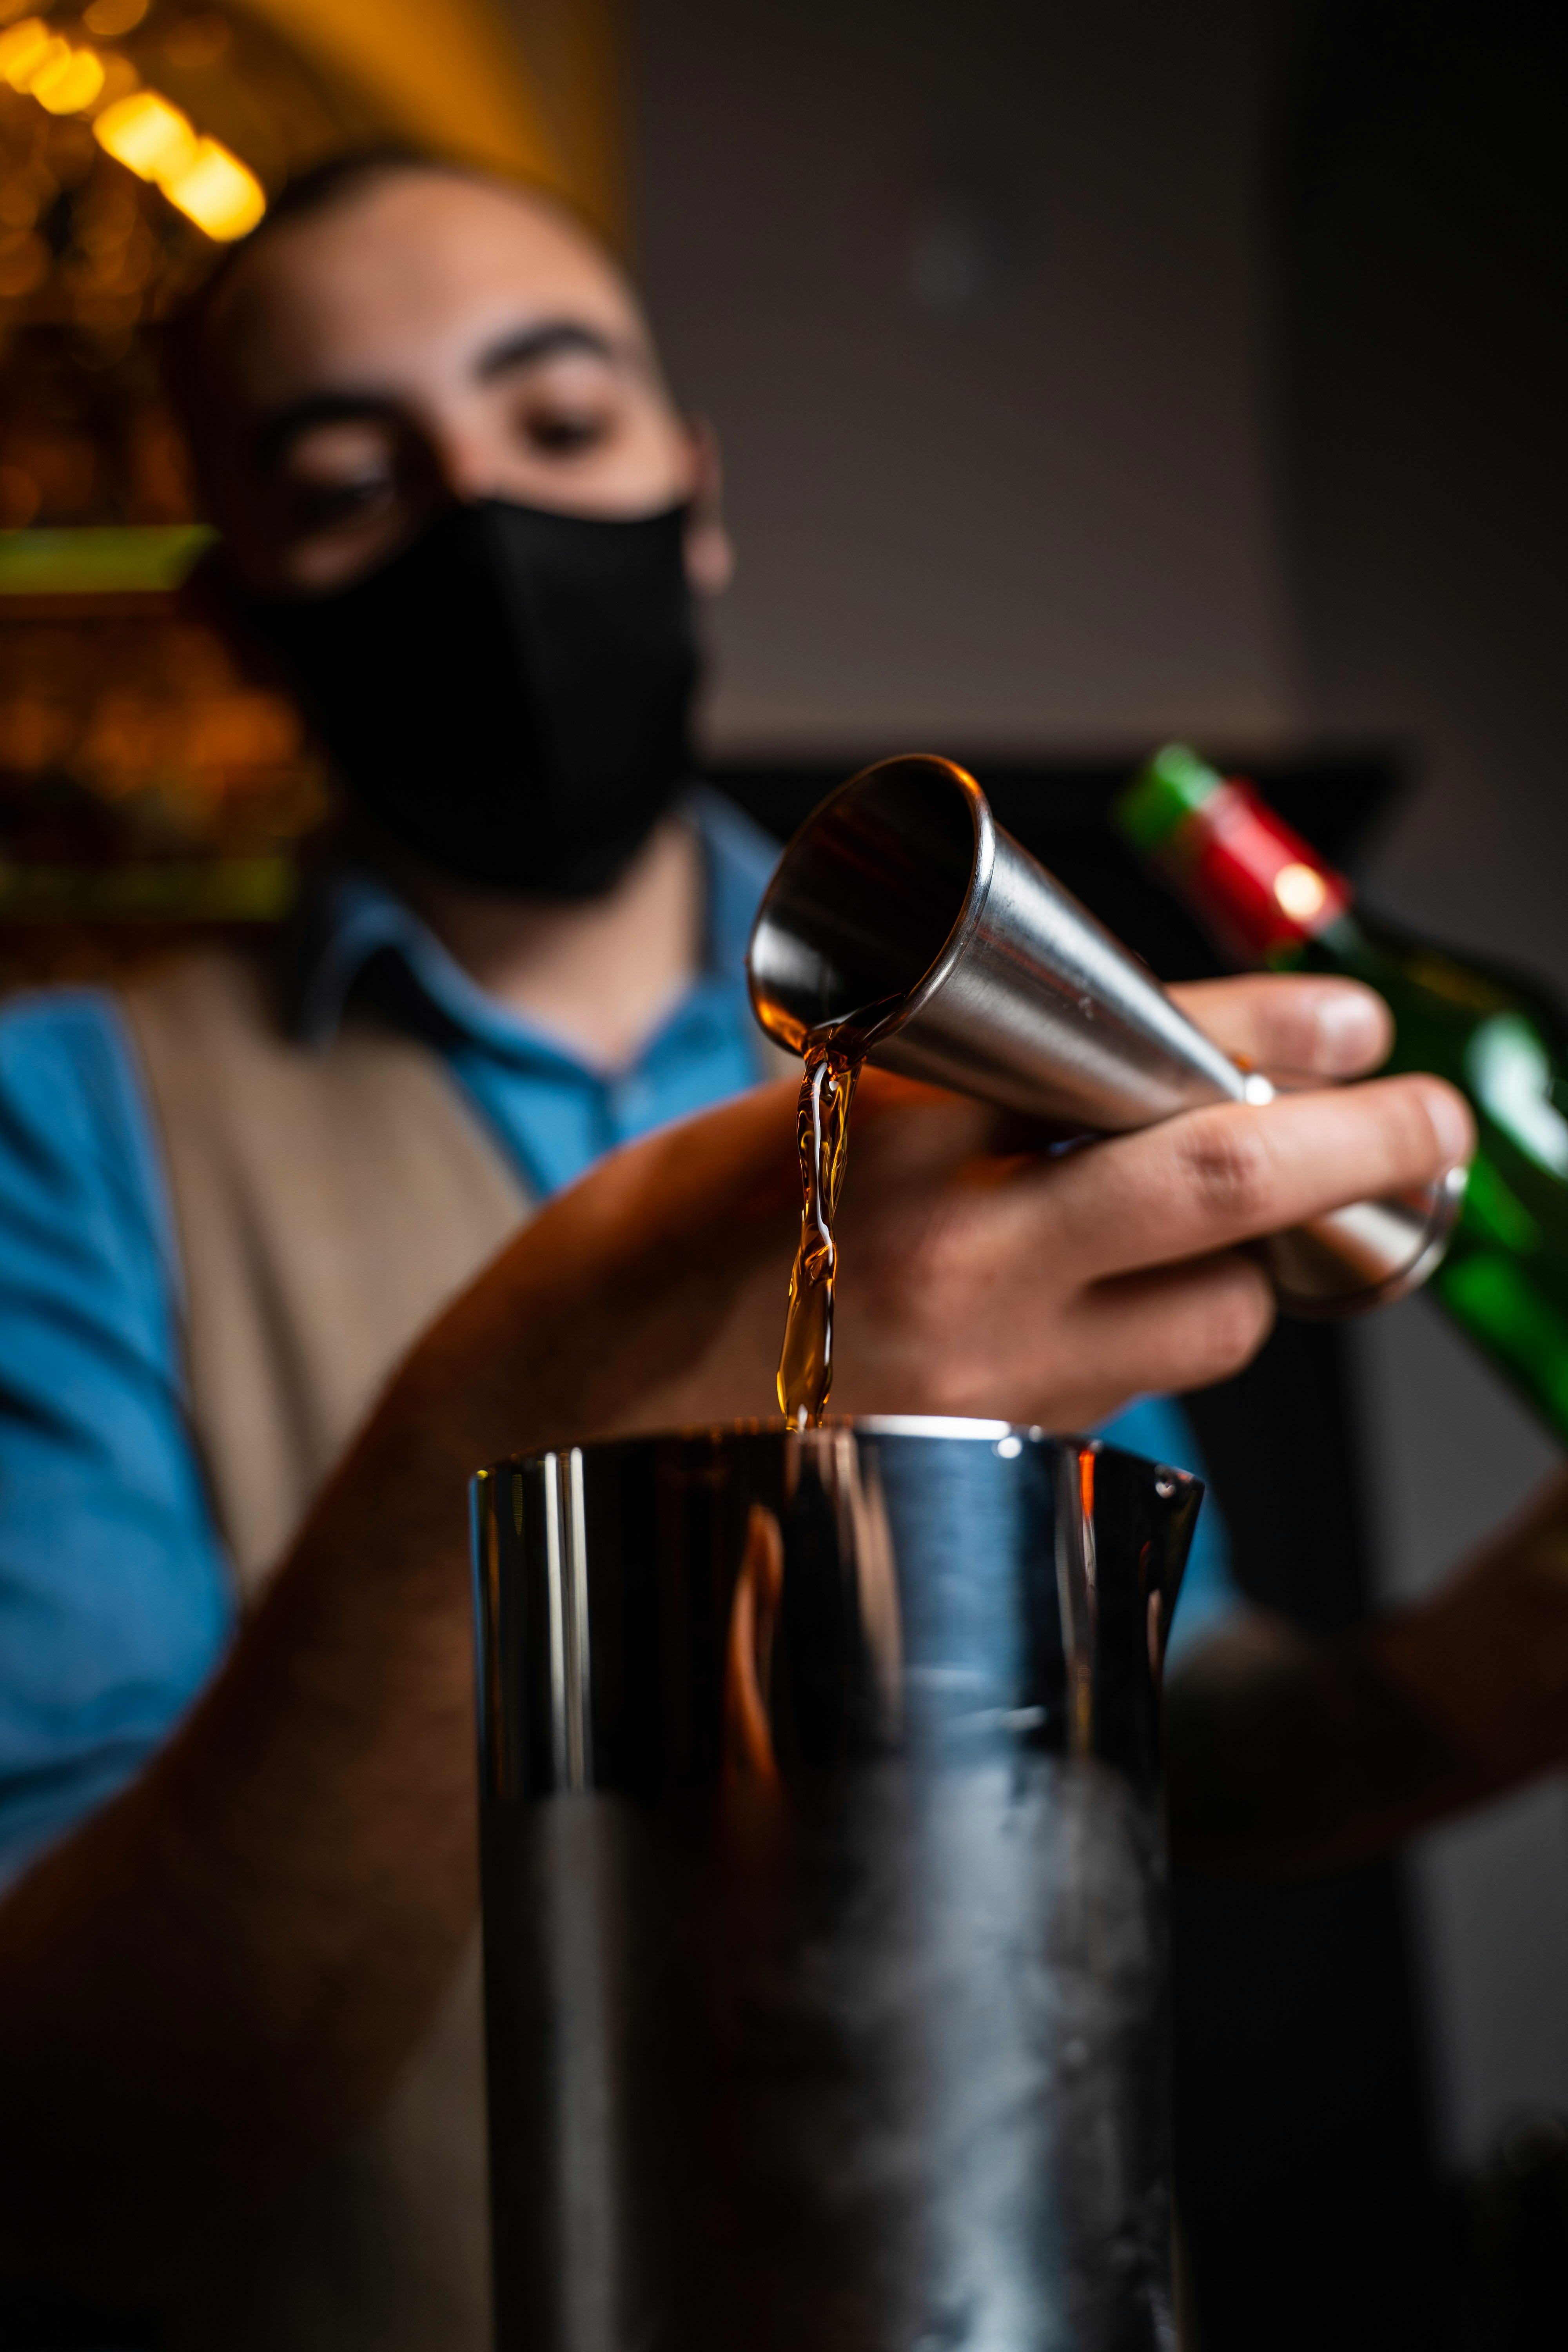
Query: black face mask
(510, 697)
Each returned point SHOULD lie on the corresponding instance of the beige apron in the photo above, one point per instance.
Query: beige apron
(328, 1203)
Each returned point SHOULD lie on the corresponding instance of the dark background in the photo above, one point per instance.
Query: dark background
(1092, 372)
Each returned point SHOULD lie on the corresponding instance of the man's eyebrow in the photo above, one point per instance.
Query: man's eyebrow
(524, 348)
(528, 345)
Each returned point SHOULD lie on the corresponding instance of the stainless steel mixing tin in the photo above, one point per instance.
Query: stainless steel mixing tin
(824, 1889)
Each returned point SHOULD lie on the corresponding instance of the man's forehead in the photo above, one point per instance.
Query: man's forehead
(411, 268)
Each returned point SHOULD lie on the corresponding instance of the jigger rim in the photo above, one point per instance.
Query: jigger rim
(1443, 1203)
(982, 866)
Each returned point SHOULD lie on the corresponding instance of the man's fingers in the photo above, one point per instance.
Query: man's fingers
(917, 1127)
(1299, 1026)
(1176, 1330)
(1014, 1348)
(1214, 1178)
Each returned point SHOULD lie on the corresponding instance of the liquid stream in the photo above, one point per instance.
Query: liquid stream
(827, 1092)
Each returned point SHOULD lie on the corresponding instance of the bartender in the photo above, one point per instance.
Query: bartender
(290, 1244)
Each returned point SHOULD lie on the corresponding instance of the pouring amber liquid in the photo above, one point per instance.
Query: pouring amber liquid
(822, 1130)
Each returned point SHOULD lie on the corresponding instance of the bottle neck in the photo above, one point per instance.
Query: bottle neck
(1263, 892)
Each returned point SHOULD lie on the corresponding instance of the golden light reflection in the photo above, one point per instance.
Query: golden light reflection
(749, 1758)
(1301, 892)
(210, 186)
(146, 134)
(66, 85)
(217, 192)
(24, 49)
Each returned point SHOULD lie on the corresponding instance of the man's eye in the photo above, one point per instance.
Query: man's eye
(320, 504)
(566, 434)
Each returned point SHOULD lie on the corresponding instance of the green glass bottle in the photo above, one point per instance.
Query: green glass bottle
(1267, 898)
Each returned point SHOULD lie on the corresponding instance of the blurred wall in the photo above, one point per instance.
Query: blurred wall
(1424, 384)
(1089, 372)
(976, 297)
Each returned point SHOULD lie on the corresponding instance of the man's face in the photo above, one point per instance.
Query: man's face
(424, 339)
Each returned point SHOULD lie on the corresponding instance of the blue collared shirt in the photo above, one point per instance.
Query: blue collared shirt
(116, 1599)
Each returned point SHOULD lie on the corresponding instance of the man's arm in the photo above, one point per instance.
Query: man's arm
(226, 1967)
(1288, 1753)
(116, 1602)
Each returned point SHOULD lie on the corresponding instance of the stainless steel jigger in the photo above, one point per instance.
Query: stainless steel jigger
(902, 908)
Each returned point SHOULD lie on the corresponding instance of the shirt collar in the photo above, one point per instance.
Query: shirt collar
(358, 932)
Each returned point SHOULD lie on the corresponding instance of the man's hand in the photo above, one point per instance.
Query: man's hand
(1054, 1289)
(975, 1277)
(1484, 1659)
(1289, 1754)
(227, 1966)
(1297, 1028)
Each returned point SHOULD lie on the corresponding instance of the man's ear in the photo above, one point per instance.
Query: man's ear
(709, 556)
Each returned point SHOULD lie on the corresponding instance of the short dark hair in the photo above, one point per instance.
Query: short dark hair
(317, 190)
(312, 190)
(337, 176)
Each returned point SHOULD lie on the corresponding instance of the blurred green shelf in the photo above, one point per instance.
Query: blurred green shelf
(136, 558)
(189, 890)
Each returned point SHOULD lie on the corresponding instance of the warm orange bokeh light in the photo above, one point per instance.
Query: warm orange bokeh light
(217, 192)
(148, 135)
(66, 84)
(24, 49)
(210, 186)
